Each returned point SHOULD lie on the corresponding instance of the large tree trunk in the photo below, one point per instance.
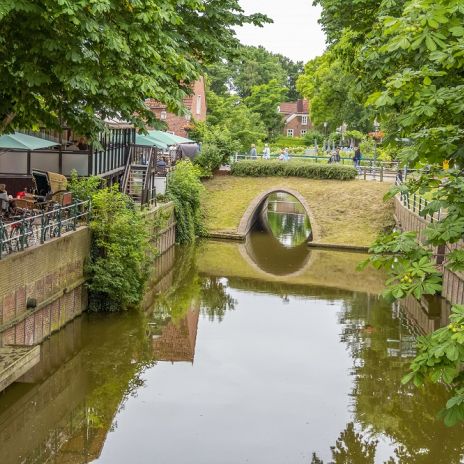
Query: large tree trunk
(7, 120)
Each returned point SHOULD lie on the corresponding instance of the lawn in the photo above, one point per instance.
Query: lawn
(346, 212)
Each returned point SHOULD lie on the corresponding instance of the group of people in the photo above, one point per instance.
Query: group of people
(283, 155)
(335, 157)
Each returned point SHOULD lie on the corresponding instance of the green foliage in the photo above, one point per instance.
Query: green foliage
(289, 142)
(254, 66)
(410, 266)
(331, 88)
(264, 100)
(184, 189)
(217, 147)
(230, 116)
(118, 265)
(440, 359)
(83, 61)
(313, 135)
(83, 188)
(293, 169)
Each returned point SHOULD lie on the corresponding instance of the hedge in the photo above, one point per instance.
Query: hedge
(293, 169)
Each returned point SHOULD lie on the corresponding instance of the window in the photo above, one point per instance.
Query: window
(304, 120)
(163, 115)
(303, 131)
(289, 132)
(198, 104)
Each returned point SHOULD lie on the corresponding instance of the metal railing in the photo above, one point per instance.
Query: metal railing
(416, 203)
(34, 229)
(369, 162)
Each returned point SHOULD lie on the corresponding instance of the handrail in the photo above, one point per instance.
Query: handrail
(151, 163)
(417, 203)
(30, 230)
(125, 178)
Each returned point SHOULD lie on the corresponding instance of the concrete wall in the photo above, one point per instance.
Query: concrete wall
(52, 274)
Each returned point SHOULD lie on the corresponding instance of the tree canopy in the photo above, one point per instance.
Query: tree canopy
(252, 66)
(78, 62)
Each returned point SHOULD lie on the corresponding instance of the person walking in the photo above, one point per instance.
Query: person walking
(253, 153)
(286, 155)
(357, 158)
(266, 152)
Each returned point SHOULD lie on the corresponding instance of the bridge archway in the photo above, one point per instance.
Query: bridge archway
(254, 207)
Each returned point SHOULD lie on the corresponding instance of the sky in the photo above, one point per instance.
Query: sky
(295, 32)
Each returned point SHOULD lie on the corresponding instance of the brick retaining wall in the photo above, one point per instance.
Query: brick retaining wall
(453, 282)
(52, 274)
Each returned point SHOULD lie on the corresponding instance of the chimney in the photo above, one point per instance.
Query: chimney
(300, 106)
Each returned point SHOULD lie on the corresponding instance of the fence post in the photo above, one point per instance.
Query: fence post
(381, 173)
(42, 227)
(414, 204)
(74, 210)
(365, 172)
(2, 230)
(59, 221)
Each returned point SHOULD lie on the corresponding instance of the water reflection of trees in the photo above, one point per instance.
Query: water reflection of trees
(350, 448)
(188, 288)
(215, 301)
(379, 343)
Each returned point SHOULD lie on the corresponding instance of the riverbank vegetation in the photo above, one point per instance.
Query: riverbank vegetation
(184, 190)
(226, 199)
(303, 169)
(402, 63)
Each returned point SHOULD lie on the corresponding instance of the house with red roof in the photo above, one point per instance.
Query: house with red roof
(296, 118)
(195, 104)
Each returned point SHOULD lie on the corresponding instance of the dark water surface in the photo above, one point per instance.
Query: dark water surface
(231, 362)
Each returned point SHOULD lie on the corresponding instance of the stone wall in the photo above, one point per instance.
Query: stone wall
(42, 288)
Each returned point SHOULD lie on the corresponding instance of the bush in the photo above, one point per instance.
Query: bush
(119, 260)
(293, 169)
(184, 189)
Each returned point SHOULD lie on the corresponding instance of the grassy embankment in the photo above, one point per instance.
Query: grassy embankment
(346, 212)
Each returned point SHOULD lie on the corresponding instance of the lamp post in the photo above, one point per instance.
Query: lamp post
(343, 128)
(325, 134)
(376, 131)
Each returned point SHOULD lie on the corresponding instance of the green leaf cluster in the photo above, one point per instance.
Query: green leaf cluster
(184, 190)
(77, 63)
(118, 265)
(440, 360)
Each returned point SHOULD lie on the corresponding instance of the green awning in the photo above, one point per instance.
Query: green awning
(19, 141)
(146, 140)
(168, 139)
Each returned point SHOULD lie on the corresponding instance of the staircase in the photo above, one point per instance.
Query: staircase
(139, 175)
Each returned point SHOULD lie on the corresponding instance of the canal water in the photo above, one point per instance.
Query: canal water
(242, 354)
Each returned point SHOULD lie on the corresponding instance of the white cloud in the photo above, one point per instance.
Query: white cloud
(295, 32)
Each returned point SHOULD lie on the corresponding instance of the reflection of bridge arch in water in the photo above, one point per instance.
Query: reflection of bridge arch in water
(255, 206)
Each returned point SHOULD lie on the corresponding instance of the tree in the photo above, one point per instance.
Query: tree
(252, 66)
(77, 63)
(331, 89)
(229, 114)
(264, 100)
